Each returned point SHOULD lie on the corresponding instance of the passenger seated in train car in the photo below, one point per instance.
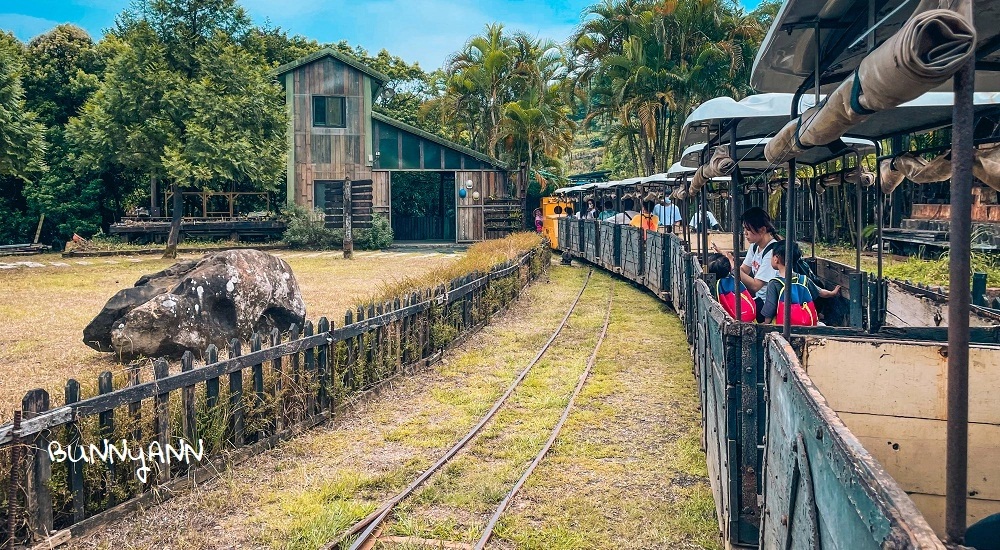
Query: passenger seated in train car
(645, 220)
(591, 210)
(696, 225)
(608, 212)
(625, 217)
(722, 267)
(668, 214)
(803, 293)
(756, 270)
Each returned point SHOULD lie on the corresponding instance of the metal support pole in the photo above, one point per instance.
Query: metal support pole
(960, 230)
(789, 240)
(703, 230)
(859, 220)
(881, 215)
(736, 190)
(786, 330)
(815, 210)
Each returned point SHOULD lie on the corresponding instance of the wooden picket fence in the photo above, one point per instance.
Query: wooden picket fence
(237, 407)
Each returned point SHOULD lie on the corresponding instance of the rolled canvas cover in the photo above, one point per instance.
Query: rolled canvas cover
(914, 168)
(926, 52)
(986, 166)
(719, 165)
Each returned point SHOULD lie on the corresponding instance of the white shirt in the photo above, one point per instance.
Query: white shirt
(624, 217)
(668, 214)
(696, 220)
(760, 267)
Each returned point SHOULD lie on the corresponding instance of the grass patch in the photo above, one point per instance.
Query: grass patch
(42, 345)
(916, 270)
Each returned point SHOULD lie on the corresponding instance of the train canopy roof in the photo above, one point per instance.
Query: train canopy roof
(787, 58)
(759, 115)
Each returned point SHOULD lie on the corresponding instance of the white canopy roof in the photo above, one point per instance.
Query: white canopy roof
(760, 115)
(787, 57)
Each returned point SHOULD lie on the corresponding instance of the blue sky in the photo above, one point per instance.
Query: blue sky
(425, 31)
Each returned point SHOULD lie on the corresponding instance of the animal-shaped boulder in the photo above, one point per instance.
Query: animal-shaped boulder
(194, 303)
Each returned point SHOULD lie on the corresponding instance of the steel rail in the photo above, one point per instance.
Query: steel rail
(488, 532)
(370, 523)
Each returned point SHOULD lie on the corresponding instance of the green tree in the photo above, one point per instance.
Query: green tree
(22, 143)
(185, 102)
(639, 66)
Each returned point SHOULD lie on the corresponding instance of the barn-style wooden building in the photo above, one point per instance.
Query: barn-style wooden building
(334, 134)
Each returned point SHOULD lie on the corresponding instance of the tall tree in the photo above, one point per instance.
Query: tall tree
(22, 144)
(186, 103)
(639, 66)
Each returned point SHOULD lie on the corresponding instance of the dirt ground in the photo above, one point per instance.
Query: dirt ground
(626, 471)
(47, 300)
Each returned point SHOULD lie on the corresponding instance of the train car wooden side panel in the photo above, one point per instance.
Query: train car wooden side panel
(892, 396)
(590, 240)
(823, 489)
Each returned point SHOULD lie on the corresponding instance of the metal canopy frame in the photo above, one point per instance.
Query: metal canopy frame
(833, 61)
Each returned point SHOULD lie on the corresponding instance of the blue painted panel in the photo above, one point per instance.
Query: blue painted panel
(832, 489)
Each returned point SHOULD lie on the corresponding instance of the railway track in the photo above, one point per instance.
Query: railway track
(369, 529)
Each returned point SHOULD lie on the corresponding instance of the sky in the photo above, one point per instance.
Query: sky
(424, 31)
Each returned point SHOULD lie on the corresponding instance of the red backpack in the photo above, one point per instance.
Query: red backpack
(803, 309)
(726, 290)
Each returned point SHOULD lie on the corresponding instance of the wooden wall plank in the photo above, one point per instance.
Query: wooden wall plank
(932, 508)
(900, 379)
(912, 450)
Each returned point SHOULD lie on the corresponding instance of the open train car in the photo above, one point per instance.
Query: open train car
(730, 366)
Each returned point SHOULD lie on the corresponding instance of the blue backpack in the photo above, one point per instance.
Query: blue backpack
(803, 309)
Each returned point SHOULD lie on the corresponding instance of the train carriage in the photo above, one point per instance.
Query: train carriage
(852, 498)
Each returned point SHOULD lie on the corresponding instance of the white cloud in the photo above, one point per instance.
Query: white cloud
(25, 27)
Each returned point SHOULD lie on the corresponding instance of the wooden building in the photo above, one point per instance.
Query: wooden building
(334, 134)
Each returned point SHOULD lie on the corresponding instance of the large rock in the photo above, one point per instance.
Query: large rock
(195, 303)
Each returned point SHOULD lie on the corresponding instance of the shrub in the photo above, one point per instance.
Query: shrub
(307, 229)
(378, 237)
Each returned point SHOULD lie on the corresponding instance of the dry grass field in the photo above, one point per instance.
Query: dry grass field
(46, 301)
(626, 471)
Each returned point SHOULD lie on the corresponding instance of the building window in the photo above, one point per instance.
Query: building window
(330, 112)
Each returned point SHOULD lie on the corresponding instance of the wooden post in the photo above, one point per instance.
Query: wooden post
(161, 419)
(36, 402)
(323, 366)
(258, 383)
(189, 418)
(279, 394)
(135, 413)
(212, 384)
(348, 237)
(38, 230)
(293, 334)
(309, 374)
(361, 352)
(107, 424)
(236, 397)
(349, 364)
(74, 470)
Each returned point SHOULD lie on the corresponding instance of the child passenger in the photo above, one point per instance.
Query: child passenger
(722, 267)
(804, 310)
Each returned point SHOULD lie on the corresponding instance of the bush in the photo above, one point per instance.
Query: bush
(378, 237)
(307, 229)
